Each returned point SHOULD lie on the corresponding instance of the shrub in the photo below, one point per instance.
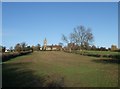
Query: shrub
(7, 56)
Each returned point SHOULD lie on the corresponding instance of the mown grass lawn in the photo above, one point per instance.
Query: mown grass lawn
(102, 52)
(35, 69)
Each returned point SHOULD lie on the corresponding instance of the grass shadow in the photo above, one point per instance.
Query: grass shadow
(17, 75)
(14, 76)
(107, 60)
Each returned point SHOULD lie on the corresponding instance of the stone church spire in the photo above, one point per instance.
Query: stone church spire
(45, 44)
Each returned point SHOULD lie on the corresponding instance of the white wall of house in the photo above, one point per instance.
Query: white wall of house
(48, 48)
(41, 48)
(54, 48)
(6, 50)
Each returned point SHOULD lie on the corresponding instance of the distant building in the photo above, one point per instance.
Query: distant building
(7, 50)
(45, 44)
(114, 47)
(51, 47)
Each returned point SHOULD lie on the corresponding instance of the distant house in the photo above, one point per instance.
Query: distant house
(53, 47)
(114, 47)
(56, 47)
(50, 47)
(7, 50)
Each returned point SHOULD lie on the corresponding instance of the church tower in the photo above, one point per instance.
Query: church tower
(45, 44)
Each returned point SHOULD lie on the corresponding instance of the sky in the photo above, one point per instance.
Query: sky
(32, 22)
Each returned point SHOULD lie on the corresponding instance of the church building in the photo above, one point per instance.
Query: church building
(51, 47)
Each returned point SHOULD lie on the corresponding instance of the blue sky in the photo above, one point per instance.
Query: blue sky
(31, 22)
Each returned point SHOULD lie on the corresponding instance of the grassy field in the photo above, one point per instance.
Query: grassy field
(98, 52)
(105, 54)
(102, 52)
(46, 67)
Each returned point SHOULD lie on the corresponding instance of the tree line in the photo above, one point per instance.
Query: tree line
(21, 47)
(80, 39)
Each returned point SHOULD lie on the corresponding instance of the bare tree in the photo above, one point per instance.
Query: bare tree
(89, 36)
(38, 47)
(3, 49)
(18, 47)
(65, 39)
(0, 48)
(28, 48)
(61, 44)
(68, 41)
(81, 36)
(23, 45)
(11, 49)
(33, 48)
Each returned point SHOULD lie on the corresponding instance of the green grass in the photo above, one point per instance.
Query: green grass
(77, 70)
(102, 52)
(105, 54)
